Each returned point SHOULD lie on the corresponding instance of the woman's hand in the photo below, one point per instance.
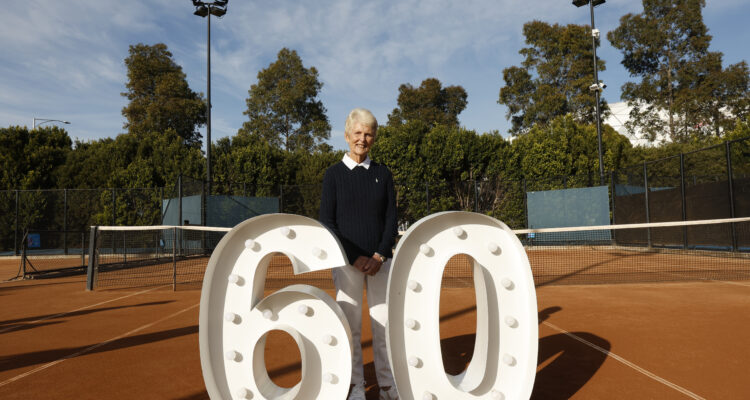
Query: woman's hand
(373, 265)
(361, 263)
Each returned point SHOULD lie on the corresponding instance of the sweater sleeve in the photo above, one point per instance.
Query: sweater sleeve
(327, 214)
(390, 229)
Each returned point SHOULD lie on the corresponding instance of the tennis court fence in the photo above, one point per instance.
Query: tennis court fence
(176, 257)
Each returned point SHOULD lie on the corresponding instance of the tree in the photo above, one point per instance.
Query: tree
(553, 78)
(683, 89)
(430, 103)
(283, 108)
(31, 159)
(159, 95)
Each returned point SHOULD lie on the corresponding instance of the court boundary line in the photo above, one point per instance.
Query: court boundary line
(626, 362)
(11, 328)
(95, 346)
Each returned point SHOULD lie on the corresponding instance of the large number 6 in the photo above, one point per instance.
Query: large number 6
(504, 362)
(235, 318)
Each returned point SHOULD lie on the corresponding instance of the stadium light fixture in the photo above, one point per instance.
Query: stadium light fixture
(205, 9)
(44, 121)
(597, 86)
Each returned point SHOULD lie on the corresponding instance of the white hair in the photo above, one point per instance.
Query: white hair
(362, 116)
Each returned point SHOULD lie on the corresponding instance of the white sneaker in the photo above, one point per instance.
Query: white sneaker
(390, 394)
(357, 392)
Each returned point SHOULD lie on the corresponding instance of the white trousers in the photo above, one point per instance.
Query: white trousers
(350, 284)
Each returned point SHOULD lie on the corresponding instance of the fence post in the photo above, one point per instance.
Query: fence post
(179, 200)
(525, 210)
(83, 248)
(684, 201)
(645, 186)
(281, 198)
(161, 205)
(476, 195)
(427, 196)
(174, 260)
(65, 221)
(15, 231)
(731, 193)
(613, 187)
(114, 207)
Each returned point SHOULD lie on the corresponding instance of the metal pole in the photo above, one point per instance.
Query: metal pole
(525, 209)
(179, 200)
(427, 196)
(645, 186)
(684, 202)
(476, 196)
(731, 193)
(65, 221)
(15, 232)
(174, 261)
(114, 205)
(596, 82)
(91, 273)
(161, 205)
(208, 112)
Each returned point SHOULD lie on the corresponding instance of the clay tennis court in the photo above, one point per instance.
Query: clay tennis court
(669, 340)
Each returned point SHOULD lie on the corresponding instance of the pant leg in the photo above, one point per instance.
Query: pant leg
(349, 283)
(377, 286)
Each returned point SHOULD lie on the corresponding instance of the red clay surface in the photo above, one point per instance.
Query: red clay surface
(628, 341)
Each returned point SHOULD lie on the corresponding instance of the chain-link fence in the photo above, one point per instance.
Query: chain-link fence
(705, 184)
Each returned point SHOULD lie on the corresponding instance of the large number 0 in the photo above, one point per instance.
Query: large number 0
(235, 318)
(504, 362)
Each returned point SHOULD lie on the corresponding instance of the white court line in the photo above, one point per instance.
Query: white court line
(78, 309)
(93, 347)
(731, 283)
(626, 362)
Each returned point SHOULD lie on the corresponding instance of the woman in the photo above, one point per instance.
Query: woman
(359, 205)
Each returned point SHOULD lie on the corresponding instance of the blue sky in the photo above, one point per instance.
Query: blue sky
(64, 59)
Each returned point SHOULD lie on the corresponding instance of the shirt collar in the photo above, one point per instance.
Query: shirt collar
(351, 164)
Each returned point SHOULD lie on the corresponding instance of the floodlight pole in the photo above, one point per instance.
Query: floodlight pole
(208, 112)
(597, 87)
(44, 121)
(598, 113)
(205, 9)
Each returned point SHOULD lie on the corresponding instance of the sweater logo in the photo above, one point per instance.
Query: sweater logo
(376, 180)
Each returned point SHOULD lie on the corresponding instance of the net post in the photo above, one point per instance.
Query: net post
(728, 145)
(91, 273)
(174, 261)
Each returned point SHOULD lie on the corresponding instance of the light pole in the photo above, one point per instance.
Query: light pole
(205, 9)
(597, 87)
(44, 121)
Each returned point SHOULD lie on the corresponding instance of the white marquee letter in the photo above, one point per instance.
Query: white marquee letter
(235, 318)
(505, 354)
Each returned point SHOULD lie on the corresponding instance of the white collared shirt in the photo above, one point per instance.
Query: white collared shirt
(351, 164)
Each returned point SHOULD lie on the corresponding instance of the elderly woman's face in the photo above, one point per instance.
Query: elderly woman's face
(360, 140)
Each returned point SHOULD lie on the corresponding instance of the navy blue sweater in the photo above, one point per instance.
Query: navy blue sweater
(359, 206)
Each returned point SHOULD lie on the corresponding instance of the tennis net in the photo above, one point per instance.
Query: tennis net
(130, 257)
